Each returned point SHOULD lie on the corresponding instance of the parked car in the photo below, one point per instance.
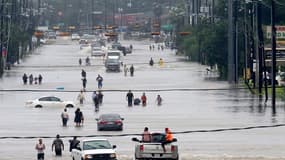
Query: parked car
(109, 122)
(75, 36)
(94, 149)
(49, 101)
(154, 150)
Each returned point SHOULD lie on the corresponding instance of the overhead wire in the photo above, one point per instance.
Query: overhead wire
(136, 134)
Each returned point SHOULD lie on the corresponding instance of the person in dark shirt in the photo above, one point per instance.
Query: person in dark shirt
(73, 144)
(130, 97)
(57, 146)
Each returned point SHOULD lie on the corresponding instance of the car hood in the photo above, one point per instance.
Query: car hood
(99, 151)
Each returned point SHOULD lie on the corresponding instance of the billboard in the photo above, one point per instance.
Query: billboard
(280, 32)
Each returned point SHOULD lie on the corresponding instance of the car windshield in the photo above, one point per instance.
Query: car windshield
(110, 60)
(96, 144)
(96, 49)
(113, 53)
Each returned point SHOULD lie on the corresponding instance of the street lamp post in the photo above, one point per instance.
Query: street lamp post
(121, 18)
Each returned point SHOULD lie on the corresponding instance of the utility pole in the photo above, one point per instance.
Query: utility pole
(261, 58)
(273, 57)
(245, 42)
(252, 44)
(231, 49)
(235, 47)
(1, 36)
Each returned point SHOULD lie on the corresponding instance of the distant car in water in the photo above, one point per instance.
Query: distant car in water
(116, 45)
(97, 51)
(49, 101)
(51, 35)
(109, 122)
(75, 36)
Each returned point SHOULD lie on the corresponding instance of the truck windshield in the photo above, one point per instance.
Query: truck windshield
(98, 144)
(113, 53)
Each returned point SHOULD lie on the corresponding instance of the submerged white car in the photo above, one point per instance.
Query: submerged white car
(49, 101)
(93, 149)
(97, 51)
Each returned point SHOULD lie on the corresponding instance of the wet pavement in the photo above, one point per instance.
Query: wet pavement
(203, 106)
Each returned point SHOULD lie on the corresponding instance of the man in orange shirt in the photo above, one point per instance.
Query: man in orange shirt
(168, 138)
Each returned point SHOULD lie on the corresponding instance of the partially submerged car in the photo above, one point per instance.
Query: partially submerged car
(110, 122)
(49, 101)
(97, 51)
(75, 36)
(93, 149)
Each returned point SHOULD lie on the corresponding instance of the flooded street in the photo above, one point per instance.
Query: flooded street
(192, 100)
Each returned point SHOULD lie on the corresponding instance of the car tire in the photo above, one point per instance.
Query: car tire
(38, 106)
(69, 106)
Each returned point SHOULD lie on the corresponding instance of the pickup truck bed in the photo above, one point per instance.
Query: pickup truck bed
(153, 150)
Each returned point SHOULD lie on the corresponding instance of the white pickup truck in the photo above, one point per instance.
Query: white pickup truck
(153, 150)
(94, 149)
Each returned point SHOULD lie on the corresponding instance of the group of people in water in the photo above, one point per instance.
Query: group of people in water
(159, 47)
(57, 146)
(143, 99)
(160, 62)
(87, 61)
(31, 79)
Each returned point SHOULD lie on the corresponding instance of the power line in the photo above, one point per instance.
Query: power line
(70, 66)
(135, 134)
(125, 90)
